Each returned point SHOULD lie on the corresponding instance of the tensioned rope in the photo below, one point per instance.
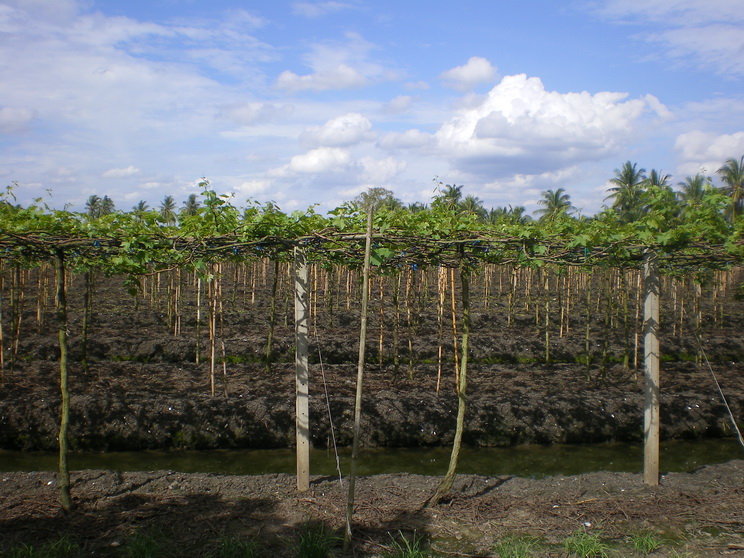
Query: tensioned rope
(328, 406)
(720, 391)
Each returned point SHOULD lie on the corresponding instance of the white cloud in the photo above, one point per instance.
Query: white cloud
(121, 173)
(250, 114)
(336, 65)
(399, 104)
(410, 139)
(705, 152)
(519, 124)
(381, 171)
(709, 34)
(15, 119)
(342, 131)
(313, 10)
(477, 70)
(320, 160)
(675, 12)
(252, 187)
(340, 77)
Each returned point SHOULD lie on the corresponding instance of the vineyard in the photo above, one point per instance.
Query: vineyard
(554, 358)
(124, 332)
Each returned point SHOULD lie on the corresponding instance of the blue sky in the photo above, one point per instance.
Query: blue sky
(313, 102)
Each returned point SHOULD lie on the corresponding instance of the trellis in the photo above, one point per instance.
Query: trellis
(388, 248)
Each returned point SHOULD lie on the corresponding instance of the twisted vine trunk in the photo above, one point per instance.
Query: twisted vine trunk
(462, 382)
(64, 473)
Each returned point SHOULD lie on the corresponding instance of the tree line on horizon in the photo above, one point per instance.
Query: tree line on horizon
(627, 193)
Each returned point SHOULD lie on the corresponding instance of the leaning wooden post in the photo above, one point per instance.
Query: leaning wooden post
(360, 377)
(64, 472)
(301, 371)
(651, 360)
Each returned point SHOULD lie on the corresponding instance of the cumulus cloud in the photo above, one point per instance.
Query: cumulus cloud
(342, 131)
(477, 70)
(381, 171)
(121, 173)
(519, 123)
(706, 152)
(320, 160)
(252, 187)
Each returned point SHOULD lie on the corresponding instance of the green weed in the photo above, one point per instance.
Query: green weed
(315, 541)
(407, 548)
(146, 544)
(645, 542)
(62, 548)
(585, 545)
(234, 547)
(517, 546)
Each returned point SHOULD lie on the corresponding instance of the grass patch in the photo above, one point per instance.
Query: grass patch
(64, 547)
(517, 546)
(645, 542)
(148, 543)
(316, 541)
(235, 547)
(586, 545)
(405, 548)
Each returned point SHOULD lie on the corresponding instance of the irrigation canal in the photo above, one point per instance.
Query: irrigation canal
(524, 461)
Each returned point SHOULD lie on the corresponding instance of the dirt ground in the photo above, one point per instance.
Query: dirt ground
(693, 514)
(143, 389)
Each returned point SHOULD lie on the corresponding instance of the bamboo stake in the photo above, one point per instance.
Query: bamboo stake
(454, 330)
(442, 287)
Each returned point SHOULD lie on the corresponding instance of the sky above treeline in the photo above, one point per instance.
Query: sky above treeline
(313, 102)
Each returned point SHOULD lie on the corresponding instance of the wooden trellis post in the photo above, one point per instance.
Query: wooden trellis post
(301, 371)
(651, 359)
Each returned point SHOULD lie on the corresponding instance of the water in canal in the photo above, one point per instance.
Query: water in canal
(526, 461)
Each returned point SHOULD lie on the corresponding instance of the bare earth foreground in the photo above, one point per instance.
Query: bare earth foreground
(694, 514)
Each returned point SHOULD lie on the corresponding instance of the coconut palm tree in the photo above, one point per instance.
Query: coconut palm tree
(472, 205)
(107, 206)
(692, 191)
(508, 214)
(416, 207)
(168, 210)
(627, 189)
(555, 203)
(449, 198)
(140, 209)
(190, 207)
(656, 178)
(732, 175)
(93, 206)
(96, 206)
